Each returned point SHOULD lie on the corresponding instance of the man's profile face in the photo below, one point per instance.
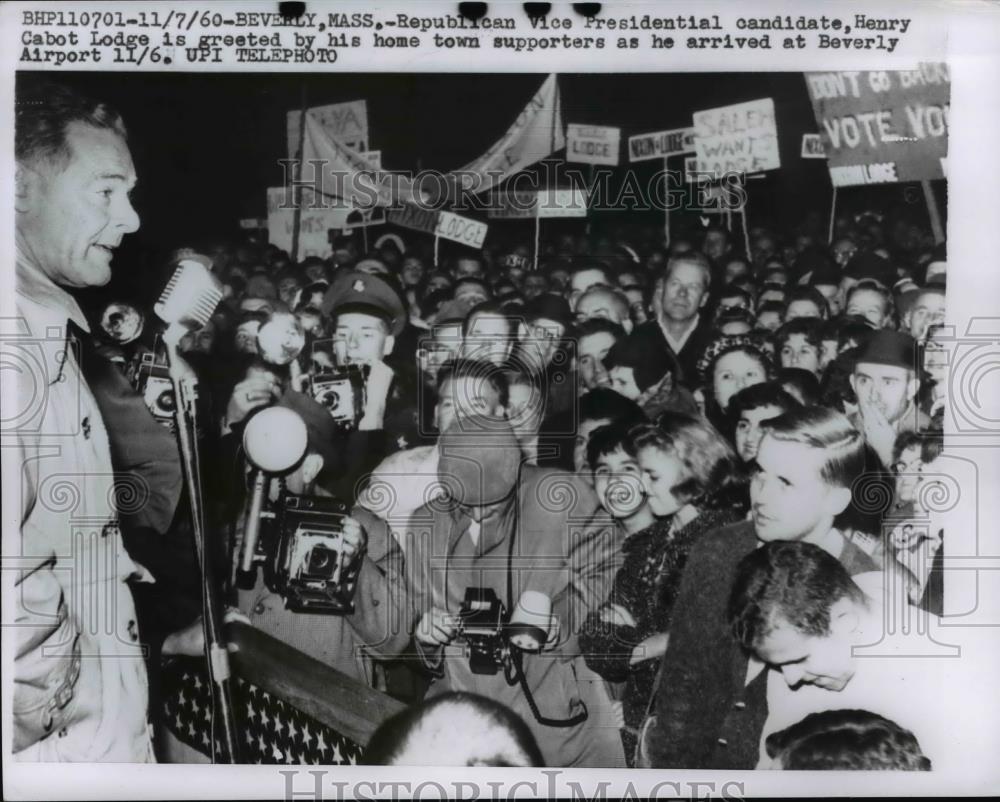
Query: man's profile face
(367, 337)
(685, 291)
(889, 388)
(788, 496)
(820, 660)
(70, 220)
(591, 351)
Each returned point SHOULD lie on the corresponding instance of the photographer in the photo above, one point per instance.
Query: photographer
(504, 531)
(368, 315)
(341, 641)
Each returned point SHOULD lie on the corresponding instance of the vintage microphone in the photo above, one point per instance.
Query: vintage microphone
(186, 304)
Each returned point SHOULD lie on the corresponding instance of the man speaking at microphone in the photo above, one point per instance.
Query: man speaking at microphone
(80, 685)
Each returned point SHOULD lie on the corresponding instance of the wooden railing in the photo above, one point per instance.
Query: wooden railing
(351, 708)
(288, 707)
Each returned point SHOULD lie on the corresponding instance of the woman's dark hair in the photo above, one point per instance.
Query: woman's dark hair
(809, 327)
(606, 440)
(804, 292)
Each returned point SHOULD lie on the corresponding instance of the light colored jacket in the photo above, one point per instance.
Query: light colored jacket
(80, 686)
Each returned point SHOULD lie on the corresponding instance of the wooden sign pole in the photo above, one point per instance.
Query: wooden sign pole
(932, 209)
(833, 216)
(538, 224)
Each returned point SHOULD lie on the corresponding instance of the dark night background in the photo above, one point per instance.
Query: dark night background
(207, 146)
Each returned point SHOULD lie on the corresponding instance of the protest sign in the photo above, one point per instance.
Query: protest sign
(373, 157)
(742, 138)
(883, 126)
(512, 205)
(347, 122)
(812, 147)
(661, 144)
(314, 224)
(562, 202)
(460, 229)
(414, 217)
(592, 144)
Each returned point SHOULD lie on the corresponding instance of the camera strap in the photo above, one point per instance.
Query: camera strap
(515, 659)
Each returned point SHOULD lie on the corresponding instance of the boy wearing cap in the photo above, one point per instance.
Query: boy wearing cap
(886, 384)
(368, 316)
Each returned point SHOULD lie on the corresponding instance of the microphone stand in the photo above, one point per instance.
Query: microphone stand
(216, 656)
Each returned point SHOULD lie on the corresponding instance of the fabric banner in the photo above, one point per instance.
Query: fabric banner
(535, 134)
(336, 170)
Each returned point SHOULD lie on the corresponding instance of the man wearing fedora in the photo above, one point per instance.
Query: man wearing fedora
(886, 383)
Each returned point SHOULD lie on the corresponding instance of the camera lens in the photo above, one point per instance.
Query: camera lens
(320, 559)
(330, 399)
(165, 401)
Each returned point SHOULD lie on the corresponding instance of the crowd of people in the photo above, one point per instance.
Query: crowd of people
(626, 496)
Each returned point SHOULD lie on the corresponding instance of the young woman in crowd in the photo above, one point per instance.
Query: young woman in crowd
(728, 365)
(693, 483)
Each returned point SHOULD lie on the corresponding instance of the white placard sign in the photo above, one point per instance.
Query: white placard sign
(562, 202)
(346, 122)
(661, 144)
(812, 147)
(592, 144)
(742, 138)
(460, 229)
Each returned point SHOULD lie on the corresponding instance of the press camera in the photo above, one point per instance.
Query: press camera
(151, 380)
(482, 622)
(304, 556)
